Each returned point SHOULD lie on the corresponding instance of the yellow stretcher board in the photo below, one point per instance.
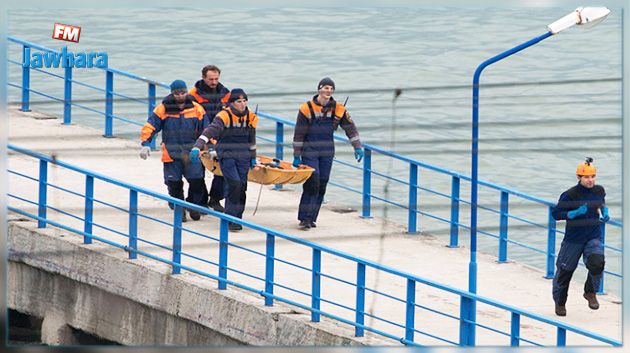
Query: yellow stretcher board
(267, 171)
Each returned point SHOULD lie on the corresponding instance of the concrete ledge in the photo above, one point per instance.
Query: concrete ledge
(95, 288)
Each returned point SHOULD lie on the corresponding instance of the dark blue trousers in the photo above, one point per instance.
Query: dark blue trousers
(592, 253)
(235, 174)
(314, 188)
(193, 172)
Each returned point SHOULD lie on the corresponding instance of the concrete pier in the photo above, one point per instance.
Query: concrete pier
(145, 290)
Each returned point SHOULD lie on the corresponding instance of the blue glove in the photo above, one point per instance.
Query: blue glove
(358, 154)
(252, 163)
(604, 216)
(194, 155)
(297, 160)
(577, 212)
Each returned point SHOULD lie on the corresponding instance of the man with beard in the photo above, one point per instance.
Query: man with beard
(181, 121)
(212, 96)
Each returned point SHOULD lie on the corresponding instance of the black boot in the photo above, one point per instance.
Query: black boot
(561, 310)
(234, 226)
(592, 300)
(216, 205)
(194, 215)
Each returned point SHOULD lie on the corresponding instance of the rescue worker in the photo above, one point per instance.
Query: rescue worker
(584, 208)
(181, 121)
(234, 128)
(314, 146)
(212, 96)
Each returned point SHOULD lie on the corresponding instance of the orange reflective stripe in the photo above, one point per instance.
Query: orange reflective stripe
(200, 99)
(223, 115)
(199, 111)
(165, 156)
(225, 98)
(146, 131)
(253, 119)
(305, 111)
(340, 110)
(160, 111)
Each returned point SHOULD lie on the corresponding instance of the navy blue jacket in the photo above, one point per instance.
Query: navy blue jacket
(211, 99)
(587, 226)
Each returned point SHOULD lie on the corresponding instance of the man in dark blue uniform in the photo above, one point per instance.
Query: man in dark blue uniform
(181, 121)
(584, 208)
(212, 96)
(314, 146)
(234, 128)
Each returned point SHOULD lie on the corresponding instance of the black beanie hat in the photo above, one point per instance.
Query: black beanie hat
(237, 93)
(326, 81)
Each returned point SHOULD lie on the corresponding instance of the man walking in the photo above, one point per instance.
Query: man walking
(314, 146)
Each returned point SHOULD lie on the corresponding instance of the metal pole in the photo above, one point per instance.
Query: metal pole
(133, 224)
(89, 208)
(367, 183)
(413, 199)
(43, 193)
(26, 79)
(454, 238)
(151, 106)
(109, 103)
(315, 284)
(551, 244)
(360, 304)
(472, 267)
(503, 227)
(269, 267)
(67, 96)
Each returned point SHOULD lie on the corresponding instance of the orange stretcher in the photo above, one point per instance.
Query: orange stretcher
(267, 171)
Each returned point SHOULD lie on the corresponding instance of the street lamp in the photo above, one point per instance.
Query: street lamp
(582, 16)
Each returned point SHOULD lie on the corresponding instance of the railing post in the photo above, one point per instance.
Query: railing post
(223, 253)
(413, 199)
(359, 331)
(279, 146)
(410, 310)
(89, 209)
(315, 284)
(133, 224)
(269, 265)
(562, 337)
(551, 244)
(454, 212)
(109, 103)
(600, 290)
(177, 238)
(43, 193)
(503, 227)
(367, 183)
(67, 96)
(467, 317)
(26, 80)
(151, 106)
(515, 330)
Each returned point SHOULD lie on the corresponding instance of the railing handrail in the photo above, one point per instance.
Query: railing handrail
(432, 167)
(341, 138)
(323, 248)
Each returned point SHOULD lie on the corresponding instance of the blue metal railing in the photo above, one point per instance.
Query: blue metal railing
(404, 326)
(367, 196)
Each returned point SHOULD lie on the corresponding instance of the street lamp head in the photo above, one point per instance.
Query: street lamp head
(583, 16)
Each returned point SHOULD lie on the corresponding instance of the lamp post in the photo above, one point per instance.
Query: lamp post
(582, 16)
